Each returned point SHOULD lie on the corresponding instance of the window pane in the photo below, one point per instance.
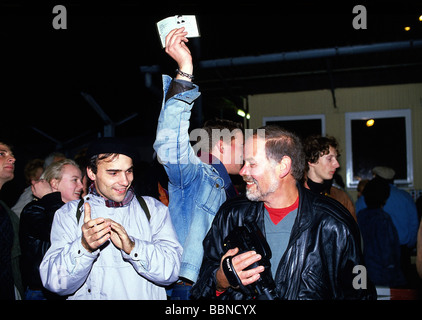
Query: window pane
(382, 144)
(387, 143)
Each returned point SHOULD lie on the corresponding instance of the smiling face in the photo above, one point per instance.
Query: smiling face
(114, 177)
(70, 185)
(325, 167)
(259, 173)
(7, 164)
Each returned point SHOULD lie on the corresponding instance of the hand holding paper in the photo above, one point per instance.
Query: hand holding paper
(175, 22)
(177, 49)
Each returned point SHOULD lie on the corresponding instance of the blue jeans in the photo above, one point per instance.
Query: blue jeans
(34, 295)
(181, 291)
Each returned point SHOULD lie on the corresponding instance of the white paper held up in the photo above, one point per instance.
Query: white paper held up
(166, 25)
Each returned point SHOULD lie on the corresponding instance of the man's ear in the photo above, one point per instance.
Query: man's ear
(284, 166)
(218, 148)
(220, 145)
(311, 164)
(90, 174)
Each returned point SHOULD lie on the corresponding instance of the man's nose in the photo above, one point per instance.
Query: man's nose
(336, 164)
(243, 170)
(124, 181)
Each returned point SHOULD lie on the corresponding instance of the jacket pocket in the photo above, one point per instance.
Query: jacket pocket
(314, 286)
(211, 194)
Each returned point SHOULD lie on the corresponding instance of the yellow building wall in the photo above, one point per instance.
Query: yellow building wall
(403, 96)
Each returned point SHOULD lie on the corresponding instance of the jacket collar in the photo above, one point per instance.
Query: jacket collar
(304, 212)
(208, 158)
(111, 203)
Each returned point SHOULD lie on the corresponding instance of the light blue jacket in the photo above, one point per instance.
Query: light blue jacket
(108, 272)
(196, 190)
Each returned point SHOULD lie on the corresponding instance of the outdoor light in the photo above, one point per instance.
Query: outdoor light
(241, 113)
(370, 122)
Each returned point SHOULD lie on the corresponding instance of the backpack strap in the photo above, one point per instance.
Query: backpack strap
(140, 200)
(144, 206)
(78, 210)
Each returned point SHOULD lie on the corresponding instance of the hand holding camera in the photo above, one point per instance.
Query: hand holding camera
(240, 263)
(246, 265)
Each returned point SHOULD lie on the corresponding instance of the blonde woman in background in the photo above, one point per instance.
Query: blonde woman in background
(59, 184)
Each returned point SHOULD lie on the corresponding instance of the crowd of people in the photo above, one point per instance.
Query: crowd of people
(83, 230)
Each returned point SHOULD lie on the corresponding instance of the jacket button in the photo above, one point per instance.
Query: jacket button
(136, 255)
(217, 185)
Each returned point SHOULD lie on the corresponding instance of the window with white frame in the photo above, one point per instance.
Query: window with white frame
(303, 126)
(379, 138)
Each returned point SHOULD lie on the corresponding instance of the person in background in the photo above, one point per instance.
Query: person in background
(53, 157)
(322, 162)
(32, 172)
(402, 210)
(60, 183)
(198, 183)
(419, 252)
(361, 186)
(82, 161)
(381, 246)
(10, 279)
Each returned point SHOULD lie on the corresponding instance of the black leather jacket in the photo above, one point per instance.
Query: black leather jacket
(318, 263)
(34, 235)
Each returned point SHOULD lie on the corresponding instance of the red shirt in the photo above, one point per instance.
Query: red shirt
(277, 214)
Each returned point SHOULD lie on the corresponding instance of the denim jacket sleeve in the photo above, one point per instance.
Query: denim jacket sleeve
(172, 141)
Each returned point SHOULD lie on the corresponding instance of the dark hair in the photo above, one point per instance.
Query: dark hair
(316, 146)
(219, 124)
(7, 143)
(93, 161)
(31, 168)
(279, 143)
(376, 193)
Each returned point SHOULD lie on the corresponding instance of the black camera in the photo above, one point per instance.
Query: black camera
(250, 239)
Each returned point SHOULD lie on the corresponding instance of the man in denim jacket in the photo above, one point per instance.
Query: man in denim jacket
(198, 185)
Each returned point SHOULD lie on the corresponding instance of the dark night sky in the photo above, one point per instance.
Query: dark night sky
(45, 70)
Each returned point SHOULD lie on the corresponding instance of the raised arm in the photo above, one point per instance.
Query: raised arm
(177, 49)
(172, 142)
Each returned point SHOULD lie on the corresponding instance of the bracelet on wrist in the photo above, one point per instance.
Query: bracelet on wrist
(184, 74)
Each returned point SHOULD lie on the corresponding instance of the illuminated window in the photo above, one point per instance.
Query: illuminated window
(387, 142)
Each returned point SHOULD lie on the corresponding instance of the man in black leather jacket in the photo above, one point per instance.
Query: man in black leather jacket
(322, 258)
